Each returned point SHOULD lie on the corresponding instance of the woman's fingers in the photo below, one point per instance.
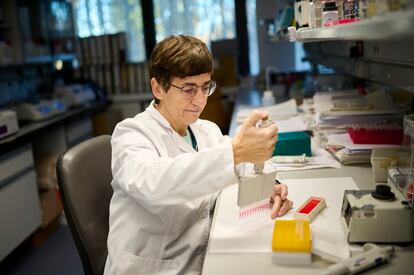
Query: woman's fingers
(280, 207)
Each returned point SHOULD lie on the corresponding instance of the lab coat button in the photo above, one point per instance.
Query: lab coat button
(205, 213)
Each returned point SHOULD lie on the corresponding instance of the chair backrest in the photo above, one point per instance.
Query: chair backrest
(84, 178)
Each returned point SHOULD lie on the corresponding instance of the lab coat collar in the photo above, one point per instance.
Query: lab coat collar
(159, 118)
(196, 127)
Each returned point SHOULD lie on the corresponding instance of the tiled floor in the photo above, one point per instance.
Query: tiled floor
(56, 256)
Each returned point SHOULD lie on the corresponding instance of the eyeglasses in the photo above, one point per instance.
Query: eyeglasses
(190, 90)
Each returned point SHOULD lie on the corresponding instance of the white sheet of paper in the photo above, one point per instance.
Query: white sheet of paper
(230, 235)
(323, 100)
(276, 112)
(293, 124)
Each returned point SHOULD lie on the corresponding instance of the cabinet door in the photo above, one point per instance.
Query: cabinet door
(78, 131)
(19, 211)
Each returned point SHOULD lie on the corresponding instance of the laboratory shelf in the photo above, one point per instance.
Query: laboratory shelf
(27, 131)
(387, 26)
(43, 60)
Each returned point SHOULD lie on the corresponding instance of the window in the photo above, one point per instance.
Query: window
(252, 34)
(300, 65)
(97, 17)
(206, 19)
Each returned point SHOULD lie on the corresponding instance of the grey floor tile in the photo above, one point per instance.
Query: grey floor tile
(56, 256)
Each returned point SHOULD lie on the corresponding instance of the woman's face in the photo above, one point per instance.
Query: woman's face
(181, 108)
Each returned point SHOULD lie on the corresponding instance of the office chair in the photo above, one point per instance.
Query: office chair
(84, 178)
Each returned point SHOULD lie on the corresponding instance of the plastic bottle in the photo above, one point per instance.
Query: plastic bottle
(362, 9)
(305, 13)
(340, 7)
(330, 12)
(268, 98)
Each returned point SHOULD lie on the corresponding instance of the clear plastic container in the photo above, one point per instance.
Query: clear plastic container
(383, 159)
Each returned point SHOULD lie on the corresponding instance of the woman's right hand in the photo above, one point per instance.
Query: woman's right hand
(252, 144)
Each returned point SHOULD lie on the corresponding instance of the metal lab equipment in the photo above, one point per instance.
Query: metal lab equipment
(380, 216)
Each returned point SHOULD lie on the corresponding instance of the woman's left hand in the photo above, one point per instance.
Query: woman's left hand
(281, 204)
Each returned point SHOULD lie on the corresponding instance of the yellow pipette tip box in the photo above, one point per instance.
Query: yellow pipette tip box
(292, 242)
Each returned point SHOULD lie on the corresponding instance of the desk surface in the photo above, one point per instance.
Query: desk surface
(260, 263)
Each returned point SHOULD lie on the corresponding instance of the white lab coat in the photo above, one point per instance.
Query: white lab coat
(163, 194)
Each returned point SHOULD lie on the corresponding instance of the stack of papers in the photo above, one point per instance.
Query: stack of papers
(280, 111)
(337, 111)
(323, 100)
(285, 116)
(348, 153)
(292, 124)
(347, 118)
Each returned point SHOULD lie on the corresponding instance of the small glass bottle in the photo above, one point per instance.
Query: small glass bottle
(382, 6)
(371, 8)
(350, 9)
(305, 13)
(362, 9)
(316, 13)
(340, 7)
(394, 5)
(330, 12)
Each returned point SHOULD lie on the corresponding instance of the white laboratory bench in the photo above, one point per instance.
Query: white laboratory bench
(242, 262)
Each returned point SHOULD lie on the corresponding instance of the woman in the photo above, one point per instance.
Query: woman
(168, 167)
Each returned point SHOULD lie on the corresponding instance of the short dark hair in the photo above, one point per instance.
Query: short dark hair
(179, 56)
